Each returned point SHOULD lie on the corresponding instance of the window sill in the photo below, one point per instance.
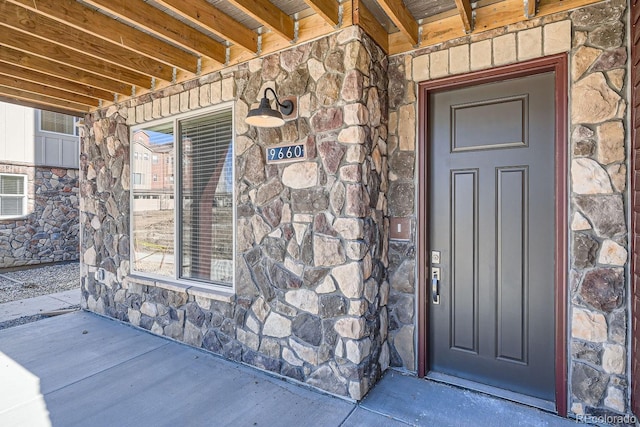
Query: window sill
(223, 295)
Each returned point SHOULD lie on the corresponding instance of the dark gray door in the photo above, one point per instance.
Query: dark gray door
(492, 219)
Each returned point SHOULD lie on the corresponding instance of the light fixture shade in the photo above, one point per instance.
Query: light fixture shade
(264, 116)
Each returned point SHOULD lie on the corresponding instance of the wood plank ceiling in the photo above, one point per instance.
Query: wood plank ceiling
(74, 56)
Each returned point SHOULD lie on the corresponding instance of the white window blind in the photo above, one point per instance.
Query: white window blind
(57, 122)
(12, 195)
(206, 226)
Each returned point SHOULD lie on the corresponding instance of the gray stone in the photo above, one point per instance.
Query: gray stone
(403, 279)
(402, 305)
(618, 326)
(308, 328)
(583, 251)
(588, 384)
(401, 197)
(268, 192)
(332, 305)
(328, 89)
(603, 289)
(586, 351)
(331, 154)
(594, 16)
(607, 36)
(402, 164)
(327, 119)
(604, 212)
(327, 251)
(309, 200)
(325, 378)
(610, 59)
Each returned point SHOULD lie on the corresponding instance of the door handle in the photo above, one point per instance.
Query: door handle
(435, 285)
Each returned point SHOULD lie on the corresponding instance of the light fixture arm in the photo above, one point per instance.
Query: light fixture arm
(286, 106)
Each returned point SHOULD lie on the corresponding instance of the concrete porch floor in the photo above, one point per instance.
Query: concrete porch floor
(81, 369)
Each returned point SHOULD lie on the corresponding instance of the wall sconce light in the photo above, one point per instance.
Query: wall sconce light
(266, 117)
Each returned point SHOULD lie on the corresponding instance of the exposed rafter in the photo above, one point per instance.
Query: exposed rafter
(41, 89)
(205, 15)
(328, 9)
(43, 101)
(21, 19)
(64, 55)
(365, 19)
(401, 17)
(268, 14)
(72, 13)
(464, 9)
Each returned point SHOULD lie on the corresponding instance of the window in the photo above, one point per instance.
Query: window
(13, 198)
(57, 122)
(155, 178)
(154, 159)
(145, 156)
(137, 178)
(190, 236)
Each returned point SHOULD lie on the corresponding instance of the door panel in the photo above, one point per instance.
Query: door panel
(492, 219)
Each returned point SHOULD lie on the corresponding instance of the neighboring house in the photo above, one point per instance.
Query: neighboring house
(466, 210)
(39, 152)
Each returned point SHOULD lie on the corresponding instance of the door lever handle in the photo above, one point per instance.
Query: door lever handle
(435, 285)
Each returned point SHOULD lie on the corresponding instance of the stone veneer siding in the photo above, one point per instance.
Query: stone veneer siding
(310, 292)
(595, 38)
(49, 231)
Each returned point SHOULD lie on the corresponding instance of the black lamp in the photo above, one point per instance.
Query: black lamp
(266, 117)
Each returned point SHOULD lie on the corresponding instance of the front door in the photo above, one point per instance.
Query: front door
(491, 164)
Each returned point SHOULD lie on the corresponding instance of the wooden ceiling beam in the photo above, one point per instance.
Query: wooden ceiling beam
(36, 46)
(365, 20)
(72, 13)
(40, 89)
(37, 106)
(41, 65)
(53, 31)
(268, 15)
(42, 101)
(212, 19)
(402, 18)
(55, 82)
(328, 9)
(464, 9)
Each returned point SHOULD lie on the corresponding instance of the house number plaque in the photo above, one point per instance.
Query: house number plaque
(286, 153)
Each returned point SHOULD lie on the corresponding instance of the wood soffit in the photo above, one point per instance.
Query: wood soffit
(74, 56)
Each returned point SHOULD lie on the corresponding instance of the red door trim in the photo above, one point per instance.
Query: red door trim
(558, 64)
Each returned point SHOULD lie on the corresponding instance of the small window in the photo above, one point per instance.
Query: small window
(155, 178)
(137, 178)
(145, 156)
(13, 197)
(57, 122)
(154, 159)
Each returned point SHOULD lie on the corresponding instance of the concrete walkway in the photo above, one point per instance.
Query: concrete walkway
(81, 369)
(38, 305)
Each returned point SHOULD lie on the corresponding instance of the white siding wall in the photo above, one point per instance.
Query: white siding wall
(17, 133)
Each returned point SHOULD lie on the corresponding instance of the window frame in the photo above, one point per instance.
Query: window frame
(25, 182)
(175, 197)
(75, 133)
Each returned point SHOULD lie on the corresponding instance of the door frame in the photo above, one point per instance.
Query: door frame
(558, 64)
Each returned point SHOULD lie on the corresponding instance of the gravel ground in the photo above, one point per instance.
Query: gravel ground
(38, 280)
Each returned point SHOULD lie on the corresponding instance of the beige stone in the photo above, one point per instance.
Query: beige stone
(316, 69)
(579, 222)
(165, 106)
(228, 89)
(356, 57)
(249, 339)
(131, 116)
(403, 343)
(149, 309)
(327, 286)
(593, 101)
(588, 177)
(216, 92)
(615, 399)
(277, 326)
(352, 135)
(175, 104)
(421, 68)
(612, 254)
(89, 256)
(384, 358)
(139, 117)
(157, 108)
(357, 351)
(439, 64)
(349, 279)
(530, 44)
(184, 102)
(407, 127)
(260, 228)
(557, 37)
(581, 61)
(504, 49)
(616, 77)
(350, 327)
(618, 174)
(610, 142)
(303, 299)
(481, 55)
(241, 111)
(355, 114)
(300, 175)
(355, 154)
(300, 229)
(408, 67)
(613, 359)
(349, 228)
(328, 251)
(253, 325)
(459, 59)
(308, 354)
(290, 357)
(194, 98)
(589, 326)
(261, 309)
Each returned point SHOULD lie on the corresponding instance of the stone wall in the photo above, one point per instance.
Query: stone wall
(595, 38)
(311, 291)
(49, 231)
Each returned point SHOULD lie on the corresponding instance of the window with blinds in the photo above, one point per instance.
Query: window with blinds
(13, 197)
(191, 206)
(57, 122)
